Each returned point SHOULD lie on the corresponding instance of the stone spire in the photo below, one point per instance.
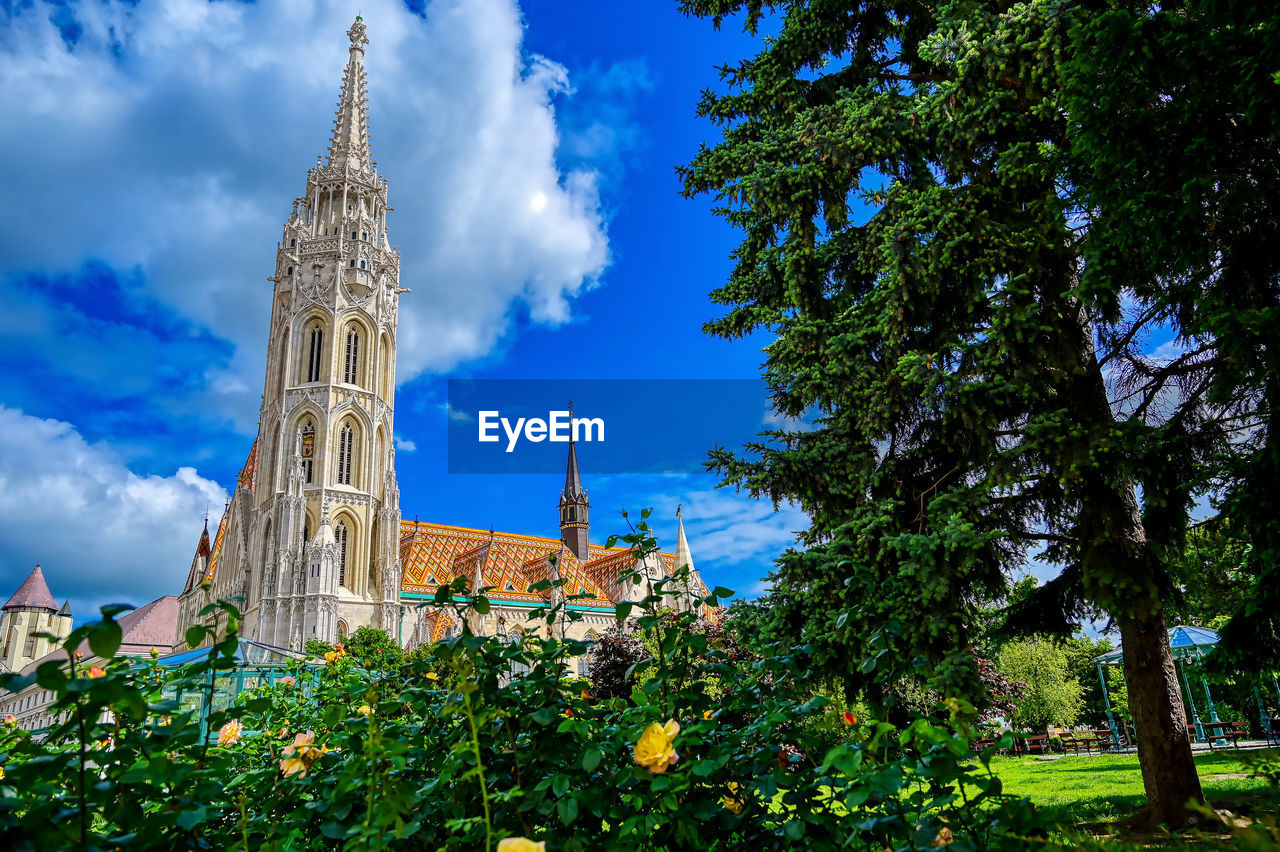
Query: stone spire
(684, 559)
(574, 523)
(349, 145)
(683, 556)
(33, 593)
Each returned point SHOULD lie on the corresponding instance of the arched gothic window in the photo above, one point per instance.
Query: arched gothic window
(316, 354)
(340, 533)
(308, 449)
(350, 372)
(346, 446)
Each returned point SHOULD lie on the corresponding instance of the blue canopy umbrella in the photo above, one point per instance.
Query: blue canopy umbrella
(1185, 643)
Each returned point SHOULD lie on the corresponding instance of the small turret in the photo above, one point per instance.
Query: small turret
(575, 525)
(29, 612)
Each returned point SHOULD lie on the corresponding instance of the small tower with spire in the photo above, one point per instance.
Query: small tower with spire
(575, 524)
(30, 611)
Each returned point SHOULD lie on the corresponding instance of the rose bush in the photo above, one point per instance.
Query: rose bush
(479, 744)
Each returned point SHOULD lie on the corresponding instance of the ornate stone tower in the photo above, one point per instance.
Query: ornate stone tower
(321, 552)
(575, 525)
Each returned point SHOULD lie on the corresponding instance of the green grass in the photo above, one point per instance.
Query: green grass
(1072, 790)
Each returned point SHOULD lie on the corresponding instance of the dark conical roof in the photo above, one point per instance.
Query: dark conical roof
(203, 548)
(572, 477)
(66, 609)
(33, 593)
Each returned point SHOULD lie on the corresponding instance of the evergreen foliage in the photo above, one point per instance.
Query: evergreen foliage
(974, 348)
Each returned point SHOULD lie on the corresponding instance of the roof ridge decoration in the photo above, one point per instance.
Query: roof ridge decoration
(33, 593)
(349, 143)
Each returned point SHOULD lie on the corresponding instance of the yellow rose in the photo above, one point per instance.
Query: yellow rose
(655, 750)
(708, 715)
(944, 837)
(432, 676)
(734, 800)
(521, 844)
(229, 734)
(365, 710)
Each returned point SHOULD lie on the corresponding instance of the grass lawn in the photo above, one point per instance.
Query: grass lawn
(1072, 790)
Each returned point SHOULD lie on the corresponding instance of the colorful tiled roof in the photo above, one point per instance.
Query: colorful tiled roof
(434, 554)
(33, 593)
(249, 473)
(217, 546)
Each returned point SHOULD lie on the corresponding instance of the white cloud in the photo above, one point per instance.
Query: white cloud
(172, 137)
(733, 538)
(404, 445)
(102, 532)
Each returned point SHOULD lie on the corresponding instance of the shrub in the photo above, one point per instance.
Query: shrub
(410, 758)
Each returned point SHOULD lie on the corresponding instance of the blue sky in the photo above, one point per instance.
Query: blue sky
(154, 152)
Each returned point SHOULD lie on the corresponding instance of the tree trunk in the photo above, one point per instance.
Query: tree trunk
(1121, 575)
(1164, 747)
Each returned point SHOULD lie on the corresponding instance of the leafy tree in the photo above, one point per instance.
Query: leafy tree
(610, 662)
(1210, 578)
(1052, 695)
(946, 238)
(374, 649)
(1081, 651)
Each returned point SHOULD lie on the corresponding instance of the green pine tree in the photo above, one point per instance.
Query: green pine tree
(927, 237)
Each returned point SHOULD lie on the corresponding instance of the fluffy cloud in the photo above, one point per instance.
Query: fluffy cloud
(101, 532)
(170, 138)
(739, 535)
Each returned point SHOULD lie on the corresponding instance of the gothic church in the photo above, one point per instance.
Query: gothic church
(312, 539)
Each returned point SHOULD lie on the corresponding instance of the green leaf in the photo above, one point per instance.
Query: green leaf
(482, 605)
(568, 808)
(190, 819)
(105, 638)
(793, 829)
(722, 592)
(842, 620)
(195, 635)
(591, 759)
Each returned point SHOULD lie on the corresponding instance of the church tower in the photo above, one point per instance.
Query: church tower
(574, 523)
(318, 540)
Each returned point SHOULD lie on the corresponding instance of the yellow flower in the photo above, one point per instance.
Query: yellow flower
(97, 671)
(365, 710)
(655, 750)
(734, 800)
(432, 676)
(155, 652)
(229, 734)
(708, 715)
(165, 720)
(10, 720)
(521, 844)
(944, 837)
(294, 766)
(300, 754)
(1, 773)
